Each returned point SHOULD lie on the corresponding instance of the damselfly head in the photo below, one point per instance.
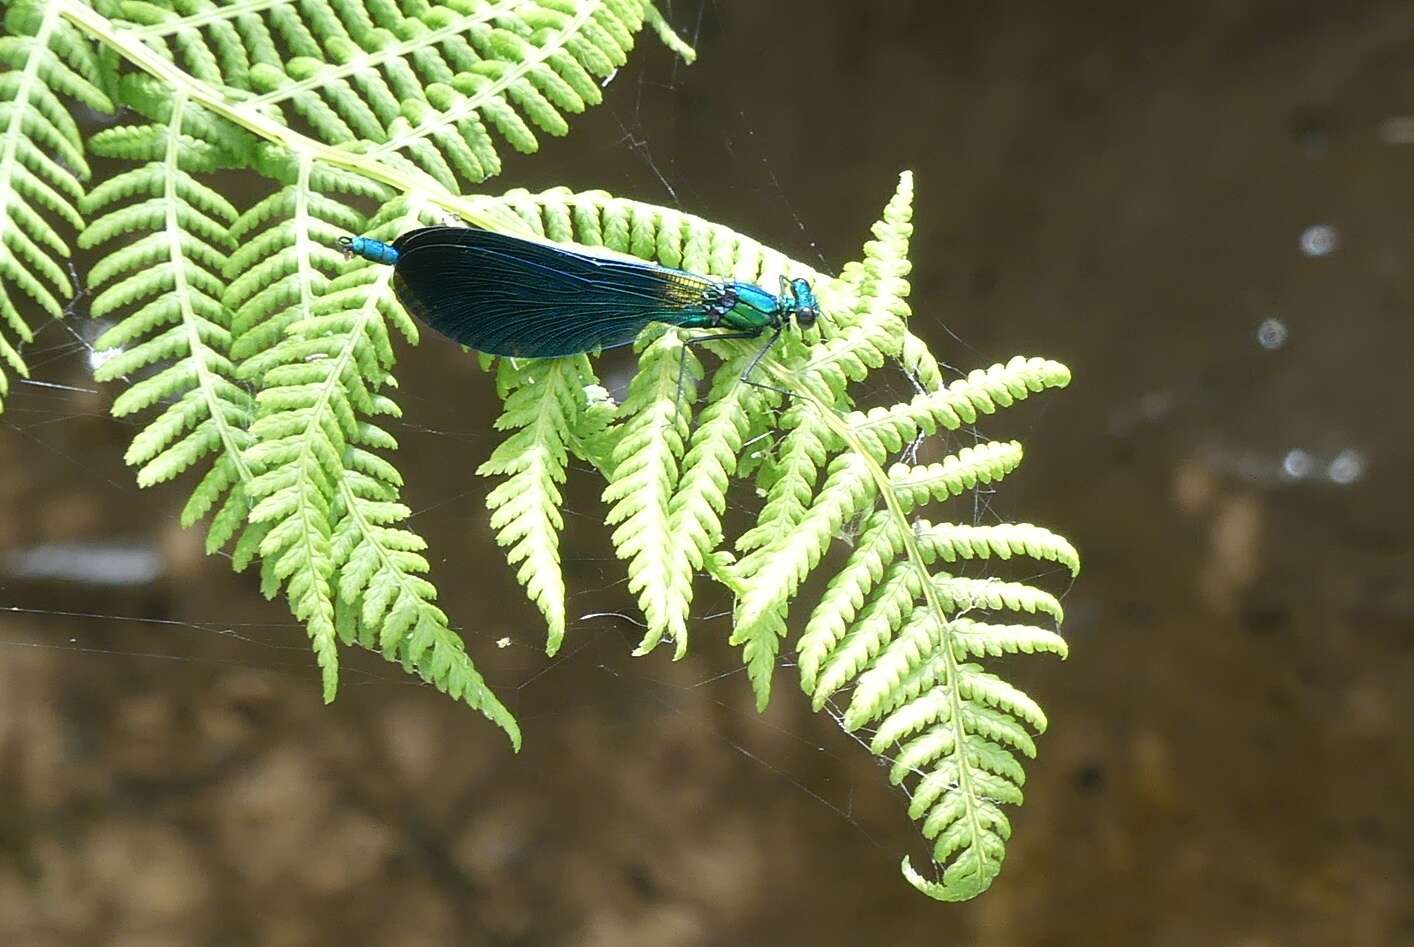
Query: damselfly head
(807, 310)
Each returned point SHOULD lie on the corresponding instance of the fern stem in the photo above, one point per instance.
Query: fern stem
(304, 266)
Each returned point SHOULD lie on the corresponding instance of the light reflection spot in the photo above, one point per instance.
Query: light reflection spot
(1320, 240)
(1297, 464)
(1272, 334)
(1346, 467)
(97, 357)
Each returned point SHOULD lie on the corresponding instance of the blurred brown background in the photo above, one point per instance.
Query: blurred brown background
(1204, 209)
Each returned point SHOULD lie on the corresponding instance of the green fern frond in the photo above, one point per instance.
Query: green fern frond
(949, 407)
(953, 541)
(168, 285)
(983, 639)
(647, 231)
(669, 38)
(547, 399)
(962, 594)
(330, 502)
(407, 96)
(312, 390)
(42, 168)
(316, 339)
(787, 479)
(426, 84)
(888, 632)
(852, 609)
(985, 463)
(793, 533)
(650, 446)
(732, 414)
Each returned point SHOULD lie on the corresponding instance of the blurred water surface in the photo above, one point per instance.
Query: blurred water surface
(1204, 209)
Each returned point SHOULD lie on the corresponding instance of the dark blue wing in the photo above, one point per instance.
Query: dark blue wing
(505, 296)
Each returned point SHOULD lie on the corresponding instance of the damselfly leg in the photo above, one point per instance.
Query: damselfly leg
(715, 337)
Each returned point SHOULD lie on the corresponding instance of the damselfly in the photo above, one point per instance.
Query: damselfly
(506, 296)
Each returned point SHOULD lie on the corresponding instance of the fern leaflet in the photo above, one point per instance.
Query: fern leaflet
(546, 400)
